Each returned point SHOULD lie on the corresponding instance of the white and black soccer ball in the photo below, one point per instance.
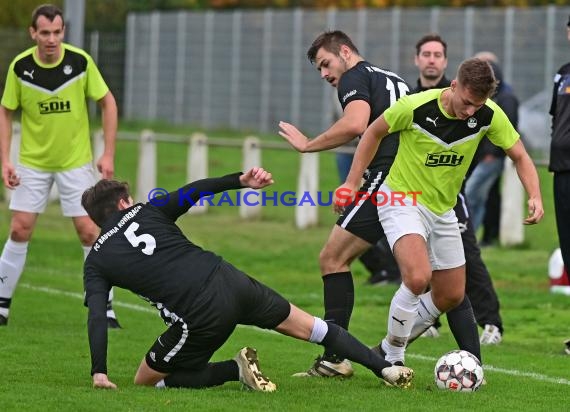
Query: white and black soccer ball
(458, 371)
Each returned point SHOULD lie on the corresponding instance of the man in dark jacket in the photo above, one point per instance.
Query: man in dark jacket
(560, 158)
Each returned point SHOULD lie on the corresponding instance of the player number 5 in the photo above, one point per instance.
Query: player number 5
(135, 240)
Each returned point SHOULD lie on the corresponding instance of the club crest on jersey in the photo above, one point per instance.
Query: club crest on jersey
(471, 123)
(67, 69)
(54, 105)
(445, 158)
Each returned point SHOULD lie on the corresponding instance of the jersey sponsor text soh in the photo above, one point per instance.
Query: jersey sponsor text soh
(54, 105)
(445, 158)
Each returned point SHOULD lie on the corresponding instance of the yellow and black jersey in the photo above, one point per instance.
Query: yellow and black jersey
(436, 149)
(55, 125)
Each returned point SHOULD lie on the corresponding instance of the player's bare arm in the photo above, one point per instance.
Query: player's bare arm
(529, 178)
(365, 151)
(256, 178)
(352, 124)
(109, 115)
(9, 177)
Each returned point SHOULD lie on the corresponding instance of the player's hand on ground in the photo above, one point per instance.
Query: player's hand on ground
(535, 211)
(9, 176)
(106, 166)
(101, 381)
(295, 138)
(343, 197)
(256, 178)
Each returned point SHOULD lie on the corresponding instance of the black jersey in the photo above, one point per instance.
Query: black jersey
(560, 112)
(142, 249)
(443, 83)
(380, 89)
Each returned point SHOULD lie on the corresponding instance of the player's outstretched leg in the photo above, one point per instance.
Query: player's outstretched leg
(337, 340)
(338, 290)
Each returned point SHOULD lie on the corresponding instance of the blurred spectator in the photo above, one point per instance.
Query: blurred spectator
(560, 158)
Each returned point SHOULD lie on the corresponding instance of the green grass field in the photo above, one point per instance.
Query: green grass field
(44, 352)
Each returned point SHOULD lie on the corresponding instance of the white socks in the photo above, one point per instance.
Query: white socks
(320, 330)
(86, 250)
(110, 311)
(12, 264)
(427, 314)
(401, 319)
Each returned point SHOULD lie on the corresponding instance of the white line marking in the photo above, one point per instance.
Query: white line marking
(80, 296)
(132, 306)
(487, 367)
(512, 372)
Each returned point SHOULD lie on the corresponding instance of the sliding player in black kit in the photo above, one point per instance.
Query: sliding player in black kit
(200, 296)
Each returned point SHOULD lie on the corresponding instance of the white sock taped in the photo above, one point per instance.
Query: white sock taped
(320, 329)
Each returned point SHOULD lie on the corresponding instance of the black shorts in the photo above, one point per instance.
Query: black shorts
(361, 218)
(229, 297)
(462, 212)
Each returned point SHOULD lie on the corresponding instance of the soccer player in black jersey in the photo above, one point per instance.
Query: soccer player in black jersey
(200, 296)
(560, 158)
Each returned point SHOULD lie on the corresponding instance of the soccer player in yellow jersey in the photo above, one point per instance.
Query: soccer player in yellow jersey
(50, 83)
(439, 133)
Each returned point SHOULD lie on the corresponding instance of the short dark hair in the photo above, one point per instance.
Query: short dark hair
(101, 201)
(431, 37)
(331, 42)
(49, 11)
(477, 76)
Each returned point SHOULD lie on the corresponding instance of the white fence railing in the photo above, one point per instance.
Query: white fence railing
(306, 215)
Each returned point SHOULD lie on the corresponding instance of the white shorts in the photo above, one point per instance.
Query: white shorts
(441, 232)
(32, 194)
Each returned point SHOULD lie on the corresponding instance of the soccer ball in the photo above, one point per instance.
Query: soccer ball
(458, 371)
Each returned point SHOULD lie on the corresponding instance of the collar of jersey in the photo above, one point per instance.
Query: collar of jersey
(50, 65)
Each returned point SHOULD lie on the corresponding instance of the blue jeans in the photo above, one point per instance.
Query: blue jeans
(343, 163)
(478, 186)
